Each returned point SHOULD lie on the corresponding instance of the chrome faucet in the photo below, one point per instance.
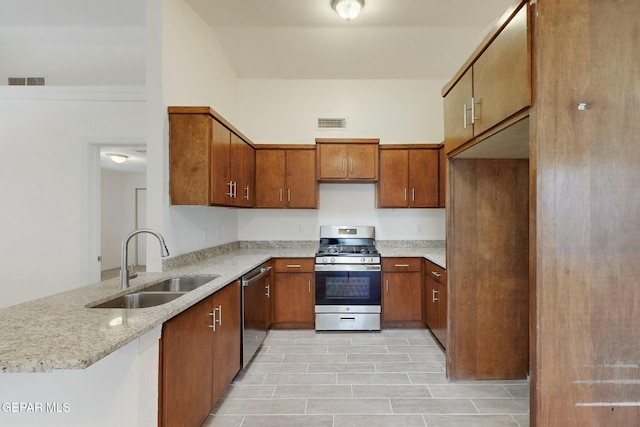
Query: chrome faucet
(125, 274)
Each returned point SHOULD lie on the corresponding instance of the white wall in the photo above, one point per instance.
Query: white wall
(396, 111)
(117, 213)
(185, 66)
(45, 140)
(75, 55)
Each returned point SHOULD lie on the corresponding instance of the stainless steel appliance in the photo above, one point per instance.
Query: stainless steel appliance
(347, 273)
(255, 296)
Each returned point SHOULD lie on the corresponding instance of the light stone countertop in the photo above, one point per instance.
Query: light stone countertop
(60, 332)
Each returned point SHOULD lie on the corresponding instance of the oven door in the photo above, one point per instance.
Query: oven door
(342, 285)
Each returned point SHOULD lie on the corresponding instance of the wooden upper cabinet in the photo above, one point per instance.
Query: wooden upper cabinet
(458, 127)
(347, 160)
(502, 75)
(286, 177)
(210, 163)
(494, 86)
(409, 177)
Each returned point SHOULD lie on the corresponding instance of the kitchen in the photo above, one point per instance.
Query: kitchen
(190, 221)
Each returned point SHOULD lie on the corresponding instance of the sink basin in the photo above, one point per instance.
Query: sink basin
(140, 300)
(180, 284)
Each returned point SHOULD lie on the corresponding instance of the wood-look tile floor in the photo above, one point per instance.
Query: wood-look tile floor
(373, 379)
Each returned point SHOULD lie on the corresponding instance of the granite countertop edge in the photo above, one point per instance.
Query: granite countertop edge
(59, 332)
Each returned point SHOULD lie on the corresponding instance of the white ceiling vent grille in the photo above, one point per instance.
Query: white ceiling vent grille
(332, 123)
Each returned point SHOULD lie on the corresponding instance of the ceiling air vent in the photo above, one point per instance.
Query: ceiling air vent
(332, 123)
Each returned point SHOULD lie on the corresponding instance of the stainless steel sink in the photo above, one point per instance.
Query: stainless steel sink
(140, 300)
(180, 284)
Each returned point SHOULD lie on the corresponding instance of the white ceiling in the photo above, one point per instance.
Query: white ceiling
(304, 39)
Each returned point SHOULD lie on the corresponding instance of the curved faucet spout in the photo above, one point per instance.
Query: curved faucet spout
(124, 255)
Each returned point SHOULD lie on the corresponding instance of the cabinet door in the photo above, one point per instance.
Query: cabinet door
(333, 161)
(457, 113)
(432, 305)
(186, 368)
(294, 303)
(237, 170)
(442, 181)
(423, 178)
(441, 331)
(220, 165)
(393, 185)
(189, 156)
(302, 186)
(502, 75)
(362, 161)
(270, 178)
(247, 191)
(226, 341)
(402, 299)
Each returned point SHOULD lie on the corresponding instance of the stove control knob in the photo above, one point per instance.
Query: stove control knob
(362, 260)
(333, 260)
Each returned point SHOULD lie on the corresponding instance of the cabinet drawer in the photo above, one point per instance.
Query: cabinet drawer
(401, 264)
(438, 273)
(295, 265)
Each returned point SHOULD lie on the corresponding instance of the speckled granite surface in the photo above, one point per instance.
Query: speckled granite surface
(60, 332)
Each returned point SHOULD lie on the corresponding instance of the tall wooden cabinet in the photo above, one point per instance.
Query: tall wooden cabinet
(342, 160)
(286, 177)
(409, 176)
(226, 321)
(435, 301)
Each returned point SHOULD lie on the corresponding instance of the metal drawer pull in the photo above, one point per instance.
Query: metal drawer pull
(268, 291)
(386, 285)
(309, 284)
(405, 194)
(281, 194)
(402, 265)
(294, 266)
(246, 197)
(288, 194)
(464, 114)
(351, 165)
(435, 273)
(220, 316)
(433, 295)
(473, 110)
(344, 163)
(347, 319)
(218, 321)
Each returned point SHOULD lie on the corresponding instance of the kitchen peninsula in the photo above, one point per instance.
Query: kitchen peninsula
(112, 354)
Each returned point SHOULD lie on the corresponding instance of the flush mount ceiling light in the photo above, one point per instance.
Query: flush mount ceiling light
(118, 158)
(348, 9)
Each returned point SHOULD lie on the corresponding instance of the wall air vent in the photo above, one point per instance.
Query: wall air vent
(26, 81)
(332, 123)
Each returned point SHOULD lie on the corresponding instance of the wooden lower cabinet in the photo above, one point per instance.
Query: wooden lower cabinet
(435, 297)
(226, 337)
(294, 294)
(402, 293)
(198, 361)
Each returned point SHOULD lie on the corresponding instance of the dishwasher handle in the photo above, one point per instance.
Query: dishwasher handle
(255, 275)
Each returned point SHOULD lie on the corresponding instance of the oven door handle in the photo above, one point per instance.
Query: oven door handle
(349, 267)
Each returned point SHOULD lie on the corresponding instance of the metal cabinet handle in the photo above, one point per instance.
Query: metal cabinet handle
(216, 320)
(473, 110)
(246, 189)
(433, 295)
(351, 165)
(281, 195)
(413, 194)
(288, 194)
(344, 164)
(405, 194)
(230, 193)
(309, 285)
(267, 291)
(464, 115)
(401, 265)
(294, 266)
(435, 273)
(386, 285)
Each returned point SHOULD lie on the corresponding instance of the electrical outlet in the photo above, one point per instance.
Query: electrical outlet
(299, 228)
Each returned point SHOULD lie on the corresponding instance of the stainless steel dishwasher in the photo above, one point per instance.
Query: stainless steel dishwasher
(255, 296)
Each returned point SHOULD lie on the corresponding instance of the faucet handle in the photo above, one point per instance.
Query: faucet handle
(131, 273)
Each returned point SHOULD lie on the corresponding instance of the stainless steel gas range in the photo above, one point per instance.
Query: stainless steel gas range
(347, 273)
